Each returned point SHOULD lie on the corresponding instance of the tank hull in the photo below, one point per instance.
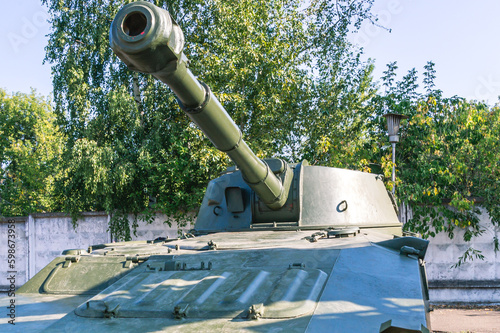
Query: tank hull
(354, 283)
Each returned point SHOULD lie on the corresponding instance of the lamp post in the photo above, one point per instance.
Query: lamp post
(393, 121)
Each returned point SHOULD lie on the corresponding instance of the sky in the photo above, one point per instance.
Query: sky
(24, 28)
(461, 37)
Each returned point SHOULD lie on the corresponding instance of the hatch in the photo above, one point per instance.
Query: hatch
(86, 274)
(206, 293)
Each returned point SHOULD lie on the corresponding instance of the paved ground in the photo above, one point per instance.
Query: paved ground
(466, 319)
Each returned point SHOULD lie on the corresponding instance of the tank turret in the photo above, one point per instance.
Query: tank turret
(149, 40)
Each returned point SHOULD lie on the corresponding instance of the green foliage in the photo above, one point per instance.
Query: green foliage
(448, 158)
(469, 254)
(338, 132)
(453, 147)
(270, 63)
(30, 149)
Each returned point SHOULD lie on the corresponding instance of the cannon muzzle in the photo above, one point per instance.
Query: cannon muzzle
(148, 40)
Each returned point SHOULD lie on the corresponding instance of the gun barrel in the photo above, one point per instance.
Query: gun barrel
(148, 40)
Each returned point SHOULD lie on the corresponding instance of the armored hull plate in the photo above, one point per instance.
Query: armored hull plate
(337, 284)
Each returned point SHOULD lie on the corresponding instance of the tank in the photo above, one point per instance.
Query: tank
(276, 247)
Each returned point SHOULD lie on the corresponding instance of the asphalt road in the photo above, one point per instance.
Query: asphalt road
(477, 320)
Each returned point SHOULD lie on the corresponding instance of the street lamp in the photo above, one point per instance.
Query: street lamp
(393, 120)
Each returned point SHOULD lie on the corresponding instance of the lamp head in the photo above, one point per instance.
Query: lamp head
(393, 121)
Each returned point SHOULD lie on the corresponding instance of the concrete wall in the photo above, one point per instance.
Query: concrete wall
(476, 281)
(42, 237)
(159, 228)
(21, 251)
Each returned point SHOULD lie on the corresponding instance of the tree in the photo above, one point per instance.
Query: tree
(132, 150)
(448, 159)
(338, 127)
(453, 147)
(30, 154)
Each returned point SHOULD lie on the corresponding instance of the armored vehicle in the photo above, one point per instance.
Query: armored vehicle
(276, 247)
